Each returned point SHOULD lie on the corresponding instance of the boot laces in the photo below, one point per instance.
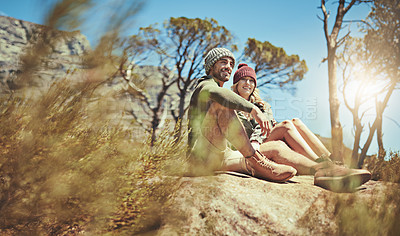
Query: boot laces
(263, 161)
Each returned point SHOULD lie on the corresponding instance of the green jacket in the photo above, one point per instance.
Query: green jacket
(206, 92)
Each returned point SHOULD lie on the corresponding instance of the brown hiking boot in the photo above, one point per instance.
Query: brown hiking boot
(261, 167)
(339, 178)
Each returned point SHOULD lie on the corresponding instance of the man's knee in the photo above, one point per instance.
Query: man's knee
(224, 116)
(215, 107)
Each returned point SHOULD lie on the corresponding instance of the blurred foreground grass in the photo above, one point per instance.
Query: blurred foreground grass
(64, 168)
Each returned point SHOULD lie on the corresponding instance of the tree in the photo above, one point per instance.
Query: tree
(333, 43)
(178, 47)
(273, 66)
(364, 88)
(348, 60)
(373, 62)
(383, 41)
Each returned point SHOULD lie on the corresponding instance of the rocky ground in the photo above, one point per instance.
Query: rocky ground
(232, 205)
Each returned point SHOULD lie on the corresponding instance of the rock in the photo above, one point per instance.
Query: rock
(232, 205)
(17, 36)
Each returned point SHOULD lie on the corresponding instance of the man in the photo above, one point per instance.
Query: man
(213, 123)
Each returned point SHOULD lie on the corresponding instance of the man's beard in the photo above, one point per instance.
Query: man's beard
(218, 75)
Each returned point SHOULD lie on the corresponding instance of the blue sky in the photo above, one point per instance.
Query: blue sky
(290, 24)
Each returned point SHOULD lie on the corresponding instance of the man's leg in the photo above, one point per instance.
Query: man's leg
(221, 124)
(234, 161)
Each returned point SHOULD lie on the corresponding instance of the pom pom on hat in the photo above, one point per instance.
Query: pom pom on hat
(214, 55)
(243, 71)
(241, 65)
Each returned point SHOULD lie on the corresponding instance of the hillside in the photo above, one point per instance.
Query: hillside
(66, 59)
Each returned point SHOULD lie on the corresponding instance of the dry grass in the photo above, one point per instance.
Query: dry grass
(384, 169)
(63, 167)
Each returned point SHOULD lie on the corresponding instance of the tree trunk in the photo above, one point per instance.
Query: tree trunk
(332, 44)
(379, 133)
(154, 127)
(336, 127)
(380, 108)
(366, 145)
(356, 145)
(184, 92)
(178, 122)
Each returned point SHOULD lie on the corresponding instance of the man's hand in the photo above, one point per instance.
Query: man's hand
(262, 120)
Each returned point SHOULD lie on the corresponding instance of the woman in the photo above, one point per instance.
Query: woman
(291, 142)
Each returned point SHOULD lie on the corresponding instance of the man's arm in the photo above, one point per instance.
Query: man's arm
(225, 97)
(230, 99)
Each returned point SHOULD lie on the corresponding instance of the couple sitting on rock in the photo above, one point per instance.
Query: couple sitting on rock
(234, 130)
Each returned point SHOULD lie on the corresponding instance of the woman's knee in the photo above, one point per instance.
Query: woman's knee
(297, 122)
(287, 124)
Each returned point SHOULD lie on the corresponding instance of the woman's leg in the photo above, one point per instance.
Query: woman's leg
(287, 132)
(312, 140)
(280, 153)
(326, 174)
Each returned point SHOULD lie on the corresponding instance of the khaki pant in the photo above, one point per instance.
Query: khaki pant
(209, 158)
(211, 152)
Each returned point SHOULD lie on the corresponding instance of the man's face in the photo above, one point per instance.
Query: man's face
(222, 69)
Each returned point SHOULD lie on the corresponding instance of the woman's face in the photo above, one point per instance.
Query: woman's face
(246, 87)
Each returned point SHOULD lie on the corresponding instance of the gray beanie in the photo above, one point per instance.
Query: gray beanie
(214, 55)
